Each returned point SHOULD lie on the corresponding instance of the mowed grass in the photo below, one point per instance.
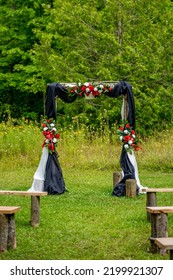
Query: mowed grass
(87, 222)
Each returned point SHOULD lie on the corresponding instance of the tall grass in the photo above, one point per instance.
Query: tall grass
(82, 147)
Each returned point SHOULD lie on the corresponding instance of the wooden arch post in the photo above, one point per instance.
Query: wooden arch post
(117, 176)
(130, 183)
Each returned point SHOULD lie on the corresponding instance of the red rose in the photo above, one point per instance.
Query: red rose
(51, 146)
(44, 125)
(127, 138)
(57, 136)
(96, 93)
(48, 120)
(127, 125)
(121, 128)
(133, 132)
(91, 88)
(83, 88)
(49, 135)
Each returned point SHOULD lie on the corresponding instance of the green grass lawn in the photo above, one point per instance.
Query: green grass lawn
(86, 223)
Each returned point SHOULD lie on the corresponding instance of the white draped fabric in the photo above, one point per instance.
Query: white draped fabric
(134, 163)
(39, 176)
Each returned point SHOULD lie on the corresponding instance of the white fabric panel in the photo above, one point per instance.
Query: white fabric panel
(39, 176)
(134, 163)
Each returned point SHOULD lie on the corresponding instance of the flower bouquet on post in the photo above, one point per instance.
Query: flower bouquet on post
(50, 134)
(128, 137)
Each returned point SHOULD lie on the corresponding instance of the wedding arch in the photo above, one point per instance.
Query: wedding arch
(48, 176)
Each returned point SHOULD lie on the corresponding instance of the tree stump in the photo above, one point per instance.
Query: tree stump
(11, 244)
(117, 176)
(150, 201)
(159, 228)
(3, 232)
(35, 211)
(130, 187)
(7, 227)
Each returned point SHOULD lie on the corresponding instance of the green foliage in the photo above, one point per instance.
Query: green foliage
(73, 41)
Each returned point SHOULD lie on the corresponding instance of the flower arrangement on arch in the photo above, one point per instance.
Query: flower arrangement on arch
(50, 134)
(89, 89)
(128, 137)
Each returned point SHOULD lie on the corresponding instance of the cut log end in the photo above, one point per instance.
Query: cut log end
(131, 188)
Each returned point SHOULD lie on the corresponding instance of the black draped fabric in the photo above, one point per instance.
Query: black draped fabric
(50, 103)
(53, 90)
(54, 181)
(124, 88)
(129, 173)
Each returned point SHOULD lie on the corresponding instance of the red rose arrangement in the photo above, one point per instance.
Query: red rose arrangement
(89, 88)
(128, 136)
(50, 134)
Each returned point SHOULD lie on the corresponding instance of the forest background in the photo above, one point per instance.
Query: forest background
(44, 41)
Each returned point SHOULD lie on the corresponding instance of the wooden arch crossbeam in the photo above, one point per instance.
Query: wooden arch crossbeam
(111, 84)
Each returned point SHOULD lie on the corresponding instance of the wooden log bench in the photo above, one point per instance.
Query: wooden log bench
(159, 224)
(151, 199)
(7, 227)
(35, 203)
(166, 244)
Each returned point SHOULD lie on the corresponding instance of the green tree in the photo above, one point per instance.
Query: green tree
(58, 41)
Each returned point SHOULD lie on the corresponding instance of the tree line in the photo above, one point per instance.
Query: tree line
(45, 41)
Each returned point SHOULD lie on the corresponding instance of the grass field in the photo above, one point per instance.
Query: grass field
(87, 222)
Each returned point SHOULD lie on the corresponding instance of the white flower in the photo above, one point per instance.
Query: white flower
(121, 137)
(79, 84)
(101, 86)
(47, 141)
(95, 89)
(130, 142)
(54, 140)
(54, 129)
(126, 146)
(45, 128)
(126, 131)
(133, 135)
(87, 90)
(52, 125)
(86, 84)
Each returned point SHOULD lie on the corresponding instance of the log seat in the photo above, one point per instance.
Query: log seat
(8, 227)
(159, 224)
(151, 199)
(166, 244)
(35, 203)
